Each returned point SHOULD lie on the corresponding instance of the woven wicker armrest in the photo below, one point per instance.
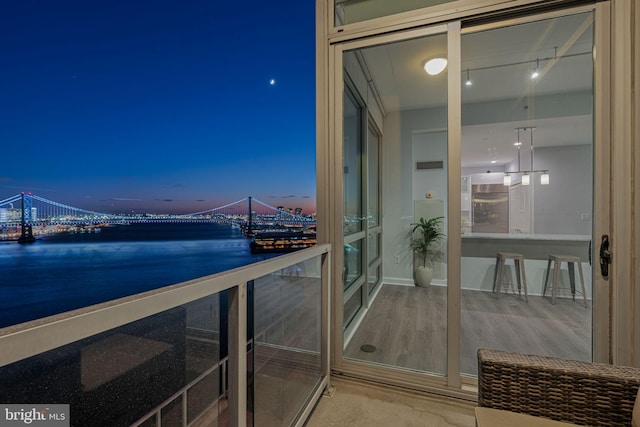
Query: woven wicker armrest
(582, 393)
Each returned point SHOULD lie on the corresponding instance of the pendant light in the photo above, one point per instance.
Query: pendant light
(526, 174)
(544, 178)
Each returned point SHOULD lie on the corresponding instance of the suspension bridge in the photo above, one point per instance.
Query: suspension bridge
(26, 210)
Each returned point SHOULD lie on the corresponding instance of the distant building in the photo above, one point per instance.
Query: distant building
(298, 211)
(10, 215)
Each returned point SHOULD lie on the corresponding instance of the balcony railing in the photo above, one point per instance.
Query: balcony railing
(243, 347)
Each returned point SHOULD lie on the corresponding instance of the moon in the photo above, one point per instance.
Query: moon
(272, 82)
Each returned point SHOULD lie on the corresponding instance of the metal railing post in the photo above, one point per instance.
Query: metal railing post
(325, 316)
(238, 356)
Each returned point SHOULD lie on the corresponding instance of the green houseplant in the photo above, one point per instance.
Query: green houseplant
(424, 234)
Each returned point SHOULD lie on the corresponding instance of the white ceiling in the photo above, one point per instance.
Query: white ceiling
(495, 141)
(500, 62)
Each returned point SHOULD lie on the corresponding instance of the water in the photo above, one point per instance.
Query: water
(63, 272)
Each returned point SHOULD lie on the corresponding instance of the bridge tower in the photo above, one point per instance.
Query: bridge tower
(26, 234)
(250, 223)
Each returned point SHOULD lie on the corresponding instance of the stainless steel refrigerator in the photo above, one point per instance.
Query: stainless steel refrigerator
(490, 208)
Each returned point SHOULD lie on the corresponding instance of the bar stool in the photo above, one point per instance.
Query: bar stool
(557, 262)
(518, 260)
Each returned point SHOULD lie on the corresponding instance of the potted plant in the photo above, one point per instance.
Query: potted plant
(424, 234)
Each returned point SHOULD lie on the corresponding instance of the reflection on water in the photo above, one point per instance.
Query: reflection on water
(64, 272)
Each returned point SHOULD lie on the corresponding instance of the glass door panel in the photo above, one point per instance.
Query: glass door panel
(352, 204)
(352, 263)
(374, 229)
(354, 260)
(373, 181)
(352, 164)
(527, 204)
(375, 261)
(405, 326)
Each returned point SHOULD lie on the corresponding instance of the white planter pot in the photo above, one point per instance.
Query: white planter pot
(423, 276)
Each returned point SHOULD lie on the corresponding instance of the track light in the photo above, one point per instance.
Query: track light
(535, 73)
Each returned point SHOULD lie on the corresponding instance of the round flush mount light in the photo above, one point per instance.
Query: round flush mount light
(435, 66)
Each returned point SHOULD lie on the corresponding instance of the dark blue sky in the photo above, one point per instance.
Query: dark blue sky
(157, 105)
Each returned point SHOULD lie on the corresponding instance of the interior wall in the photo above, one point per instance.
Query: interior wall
(358, 78)
(429, 147)
(565, 205)
(398, 172)
(541, 107)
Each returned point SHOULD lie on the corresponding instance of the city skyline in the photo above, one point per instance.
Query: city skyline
(157, 106)
(6, 204)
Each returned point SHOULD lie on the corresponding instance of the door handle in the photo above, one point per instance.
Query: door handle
(605, 256)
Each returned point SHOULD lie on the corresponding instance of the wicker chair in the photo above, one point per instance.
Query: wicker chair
(580, 393)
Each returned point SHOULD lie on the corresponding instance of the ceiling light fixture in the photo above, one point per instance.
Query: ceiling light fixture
(544, 178)
(468, 82)
(435, 66)
(535, 73)
(526, 174)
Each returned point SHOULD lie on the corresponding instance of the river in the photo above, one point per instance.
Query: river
(65, 271)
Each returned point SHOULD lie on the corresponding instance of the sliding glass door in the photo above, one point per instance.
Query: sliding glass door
(527, 159)
(353, 277)
(403, 326)
(362, 228)
(489, 135)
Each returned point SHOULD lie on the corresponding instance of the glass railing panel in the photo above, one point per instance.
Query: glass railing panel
(200, 404)
(171, 414)
(286, 354)
(150, 422)
(204, 321)
(114, 366)
(122, 375)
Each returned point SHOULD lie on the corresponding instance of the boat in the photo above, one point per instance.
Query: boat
(282, 241)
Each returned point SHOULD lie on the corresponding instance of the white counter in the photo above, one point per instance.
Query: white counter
(520, 236)
(479, 256)
(532, 246)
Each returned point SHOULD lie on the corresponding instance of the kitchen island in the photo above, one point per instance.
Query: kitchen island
(479, 257)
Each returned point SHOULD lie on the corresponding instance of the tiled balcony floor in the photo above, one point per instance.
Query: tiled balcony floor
(358, 404)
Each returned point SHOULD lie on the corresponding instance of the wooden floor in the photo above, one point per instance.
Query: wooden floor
(408, 327)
